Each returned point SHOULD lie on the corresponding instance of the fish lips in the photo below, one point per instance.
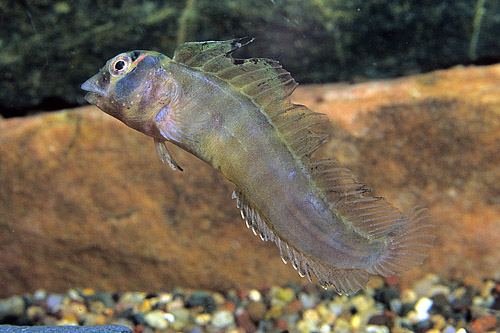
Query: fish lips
(94, 90)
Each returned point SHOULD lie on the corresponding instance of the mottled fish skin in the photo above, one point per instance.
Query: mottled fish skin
(236, 115)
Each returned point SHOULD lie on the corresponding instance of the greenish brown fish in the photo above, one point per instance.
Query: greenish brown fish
(236, 115)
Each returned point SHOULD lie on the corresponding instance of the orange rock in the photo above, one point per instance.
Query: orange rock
(84, 201)
(484, 324)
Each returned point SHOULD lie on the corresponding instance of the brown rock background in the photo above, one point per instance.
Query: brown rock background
(85, 202)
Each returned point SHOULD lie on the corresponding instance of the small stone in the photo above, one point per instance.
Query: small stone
(96, 307)
(35, 313)
(408, 296)
(254, 295)
(39, 295)
(307, 326)
(438, 321)
(293, 307)
(422, 308)
(422, 287)
(362, 302)
(218, 298)
(229, 306)
(12, 306)
(74, 295)
(68, 319)
(92, 319)
(181, 317)
(308, 301)
(375, 282)
(439, 289)
(281, 325)
(275, 312)
(391, 281)
(243, 320)
(201, 298)
(222, 318)
(484, 324)
(105, 298)
(326, 314)
(286, 295)
(342, 326)
(461, 298)
(311, 315)
(395, 306)
(54, 302)
(256, 311)
(376, 329)
(202, 319)
(386, 294)
(155, 319)
(383, 319)
(449, 329)
(175, 304)
(145, 306)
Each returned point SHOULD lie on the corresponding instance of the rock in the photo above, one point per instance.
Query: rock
(12, 306)
(244, 321)
(221, 319)
(201, 299)
(256, 311)
(156, 319)
(484, 324)
(86, 202)
(254, 295)
(182, 317)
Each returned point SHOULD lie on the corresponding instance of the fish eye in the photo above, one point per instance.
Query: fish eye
(119, 65)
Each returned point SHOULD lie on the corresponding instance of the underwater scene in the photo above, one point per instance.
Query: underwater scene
(250, 166)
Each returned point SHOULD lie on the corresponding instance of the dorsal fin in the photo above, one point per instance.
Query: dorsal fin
(345, 281)
(265, 82)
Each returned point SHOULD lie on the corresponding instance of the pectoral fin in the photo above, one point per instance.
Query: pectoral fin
(165, 155)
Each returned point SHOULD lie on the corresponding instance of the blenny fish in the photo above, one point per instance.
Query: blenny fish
(237, 116)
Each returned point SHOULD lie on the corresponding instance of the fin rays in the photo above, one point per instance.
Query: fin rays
(344, 281)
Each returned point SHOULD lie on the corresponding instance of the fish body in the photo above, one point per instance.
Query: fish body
(237, 116)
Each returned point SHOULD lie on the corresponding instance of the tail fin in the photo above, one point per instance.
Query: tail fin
(409, 246)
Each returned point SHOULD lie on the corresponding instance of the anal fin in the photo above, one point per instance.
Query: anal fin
(165, 155)
(344, 281)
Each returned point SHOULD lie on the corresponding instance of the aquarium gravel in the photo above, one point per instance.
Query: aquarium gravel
(431, 305)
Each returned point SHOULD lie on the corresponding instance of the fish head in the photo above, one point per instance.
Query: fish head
(132, 87)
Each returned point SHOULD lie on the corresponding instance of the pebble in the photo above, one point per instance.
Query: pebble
(243, 320)
(203, 319)
(286, 295)
(256, 311)
(12, 306)
(155, 319)
(422, 308)
(484, 324)
(222, 319)
(254, 295)
(440, 307)
(201, 299)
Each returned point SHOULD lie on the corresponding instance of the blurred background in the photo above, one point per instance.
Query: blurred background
(48, 48)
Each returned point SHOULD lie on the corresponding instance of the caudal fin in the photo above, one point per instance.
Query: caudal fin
(407, 247)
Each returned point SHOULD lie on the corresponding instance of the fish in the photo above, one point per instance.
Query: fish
(237, 116)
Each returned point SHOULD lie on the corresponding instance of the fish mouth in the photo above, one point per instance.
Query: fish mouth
(94, 90)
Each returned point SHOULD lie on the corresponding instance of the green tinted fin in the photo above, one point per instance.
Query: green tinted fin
(408, 237)
(198, 54)
(265, 82)
(345, 281)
